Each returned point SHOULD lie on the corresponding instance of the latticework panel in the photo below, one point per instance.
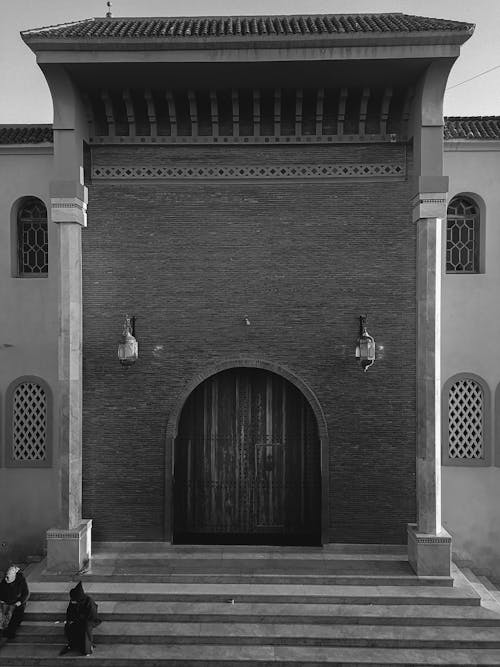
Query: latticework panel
(285, 171)
(29, 423)
(462, 236)
(33, 238)
(465, 420)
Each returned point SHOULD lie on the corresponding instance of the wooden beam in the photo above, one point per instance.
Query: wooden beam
(89, 112)
(172, 114)
(193, 112)
(299, 95)
(236, 112)
(108, 110)
(384, 110)
(320, 99)
(214, 113)
(363, 109)
(405, 116)
(129, 106)
(153, 122)
(256, 112)
(277, 112)
(341, 111)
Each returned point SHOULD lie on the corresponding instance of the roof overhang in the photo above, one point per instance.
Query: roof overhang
(264, 48)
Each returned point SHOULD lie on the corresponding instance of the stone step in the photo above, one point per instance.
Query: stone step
(119, 550)
(159, 655)
(273, 593)
(255, 634)
(258, 563)
(245, 566)
(269, 578)
(284, 558)
(331, 614)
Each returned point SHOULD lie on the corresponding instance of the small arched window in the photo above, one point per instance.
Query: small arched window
(466, 416)
(29, 422)
(32, 239)
(462, 236)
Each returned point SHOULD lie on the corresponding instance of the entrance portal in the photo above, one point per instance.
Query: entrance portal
(247, 463)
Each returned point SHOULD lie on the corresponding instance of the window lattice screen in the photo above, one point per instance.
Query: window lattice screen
(33, 238)
(29, 423)
(462, 237)
(465, 420)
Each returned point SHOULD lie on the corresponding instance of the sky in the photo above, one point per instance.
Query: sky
(25, 98)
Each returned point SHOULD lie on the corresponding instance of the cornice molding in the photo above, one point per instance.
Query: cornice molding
(27, 149)
(471, 145)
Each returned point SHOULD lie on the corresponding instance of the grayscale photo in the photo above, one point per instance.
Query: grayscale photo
(249, 357)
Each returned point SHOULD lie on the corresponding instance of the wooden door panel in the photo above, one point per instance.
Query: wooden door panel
(247, 449)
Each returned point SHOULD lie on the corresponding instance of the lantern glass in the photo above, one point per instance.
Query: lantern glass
(128, 349)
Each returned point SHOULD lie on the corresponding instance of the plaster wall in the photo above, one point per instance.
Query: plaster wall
(471, 330)
(28, 346)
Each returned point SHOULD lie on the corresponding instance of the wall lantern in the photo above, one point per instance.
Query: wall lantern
(365, 349)
(128, 349)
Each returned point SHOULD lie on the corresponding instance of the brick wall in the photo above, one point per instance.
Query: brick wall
(302, 260)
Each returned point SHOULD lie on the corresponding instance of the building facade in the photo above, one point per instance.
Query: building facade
(244, 189)
(470, 369)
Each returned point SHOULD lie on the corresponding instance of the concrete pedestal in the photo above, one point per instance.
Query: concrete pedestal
(69, 550)
(429, 555)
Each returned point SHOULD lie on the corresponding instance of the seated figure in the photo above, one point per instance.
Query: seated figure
(81, 619)
(13, 596)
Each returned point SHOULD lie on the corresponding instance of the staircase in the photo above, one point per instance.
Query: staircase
(165, 605)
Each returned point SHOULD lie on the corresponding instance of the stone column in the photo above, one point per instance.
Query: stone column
(429, 546)
(69, 544)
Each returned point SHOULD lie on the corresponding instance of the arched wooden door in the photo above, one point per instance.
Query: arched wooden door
(247, 462)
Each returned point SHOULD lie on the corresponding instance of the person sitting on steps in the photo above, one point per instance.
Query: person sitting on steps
(81, 619)
(14, 593)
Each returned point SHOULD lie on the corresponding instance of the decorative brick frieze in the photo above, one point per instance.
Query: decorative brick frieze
(63, 534)
(279, 171)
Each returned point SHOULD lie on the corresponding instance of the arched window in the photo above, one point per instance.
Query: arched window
(28, 422)
(32, 239)
(466, 421)
(462, 236)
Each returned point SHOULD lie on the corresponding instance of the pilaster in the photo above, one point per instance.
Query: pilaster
(429, 546)
(68, 543)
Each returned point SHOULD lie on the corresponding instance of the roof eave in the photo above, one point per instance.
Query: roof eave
(445, 37)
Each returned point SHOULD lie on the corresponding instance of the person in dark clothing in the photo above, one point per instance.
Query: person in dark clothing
(13, 596)
(81, 619)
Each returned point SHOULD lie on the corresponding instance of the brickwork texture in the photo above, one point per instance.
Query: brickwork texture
(302, 260)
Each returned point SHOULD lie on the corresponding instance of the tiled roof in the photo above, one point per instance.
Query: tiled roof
(472, 127)
(206, 27)
(25, 134)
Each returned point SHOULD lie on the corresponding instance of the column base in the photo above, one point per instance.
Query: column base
(429, 555)
(69, 550)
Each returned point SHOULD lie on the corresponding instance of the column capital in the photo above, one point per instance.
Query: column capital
(426, 205)
(69, 209)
